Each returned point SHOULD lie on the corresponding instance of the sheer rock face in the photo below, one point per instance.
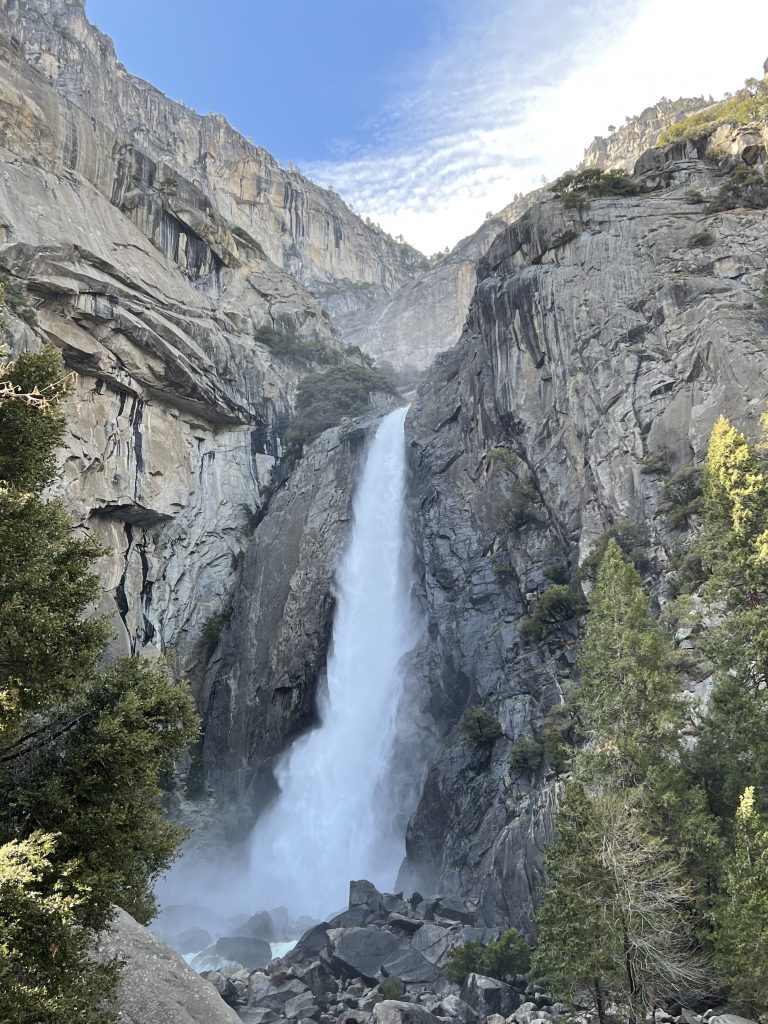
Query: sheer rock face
(303, 228)
(595, 339)
(262, 680)
(178, 414)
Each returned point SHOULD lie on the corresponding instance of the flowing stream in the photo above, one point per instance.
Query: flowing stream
(335, 817)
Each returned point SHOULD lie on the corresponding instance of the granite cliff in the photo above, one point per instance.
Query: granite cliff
(598, 338)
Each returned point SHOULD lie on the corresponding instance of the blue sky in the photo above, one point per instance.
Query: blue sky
(426, 114)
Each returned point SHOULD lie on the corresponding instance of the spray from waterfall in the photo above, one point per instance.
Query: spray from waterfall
(336, 816)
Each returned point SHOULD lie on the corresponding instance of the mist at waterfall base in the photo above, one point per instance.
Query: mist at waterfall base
(336, 817)
(346, 789)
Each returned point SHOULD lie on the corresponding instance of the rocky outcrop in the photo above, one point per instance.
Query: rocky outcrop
(156, 986)
(625, 145)
(307, 230)
(597, 339)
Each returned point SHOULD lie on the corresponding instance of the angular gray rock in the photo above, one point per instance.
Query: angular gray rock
(361, 952)
(157, 987)
(392, 1011)
(488, 995)
(251, 952)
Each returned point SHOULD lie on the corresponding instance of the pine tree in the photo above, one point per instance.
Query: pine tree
(742, 919)
(614, 918)
(81, 750)
(732, 748)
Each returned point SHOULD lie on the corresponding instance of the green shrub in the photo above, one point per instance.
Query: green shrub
(327, 397)
(556, 605)
(763, 300)
(14, 297)
(742, 108)
(693, 195)
(576, 188)
(392, 988)
(213, 627)
(558, 572)
(480, 728)
(506, 956)
(701, 240)
(682, 496)
(656, 462)
(519, 505)
(526, 756)
(631, 538)
(746, 187)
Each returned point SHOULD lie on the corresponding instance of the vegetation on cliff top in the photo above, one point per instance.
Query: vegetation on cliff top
(81, 749)
(747, 105)
(325, 398)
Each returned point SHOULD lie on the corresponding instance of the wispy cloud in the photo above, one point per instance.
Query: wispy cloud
(510, 92)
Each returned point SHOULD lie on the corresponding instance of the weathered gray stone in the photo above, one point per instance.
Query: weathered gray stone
(411, 967)
(360, 952)
(192, 940)
(454, 1007)
(156, 986)
(246, 950)
(392, 1011)
(301, 1006)
(258, 926)
(488, 995)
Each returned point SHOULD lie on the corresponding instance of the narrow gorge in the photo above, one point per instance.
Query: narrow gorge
(373, 584)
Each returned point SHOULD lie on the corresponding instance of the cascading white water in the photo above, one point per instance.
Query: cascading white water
(334, 819)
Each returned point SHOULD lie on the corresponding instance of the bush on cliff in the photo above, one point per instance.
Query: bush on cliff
(325, 398)
(747, 105)
(81, 750)
(576, 188)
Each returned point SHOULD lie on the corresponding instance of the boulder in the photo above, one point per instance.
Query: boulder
(365, 894)
(192, 940)
(318, 978)
(250, 952)
(309, 945)
(259, 926)
(453, 909)
(300, 1007)
(257, 1015)
(355, 917)
(488, 995)
(266, 993)
(730, 1018)
(454, 1007)
(434, 942)
(360, 952)
(156, 986)
(405, 924)
(392, 1011)
(223, 985)
(411, 967)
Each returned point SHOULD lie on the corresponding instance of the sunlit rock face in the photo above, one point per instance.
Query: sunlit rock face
(303, 228)
(596, 339)
(153, 298)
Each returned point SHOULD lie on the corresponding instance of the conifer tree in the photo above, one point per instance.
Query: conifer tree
(732, 748)
(81, 750)
(629, 693)
(742, 919)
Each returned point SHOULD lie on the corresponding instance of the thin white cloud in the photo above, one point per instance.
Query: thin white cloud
(514, 91)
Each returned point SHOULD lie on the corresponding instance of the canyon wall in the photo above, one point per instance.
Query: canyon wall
(597, 339)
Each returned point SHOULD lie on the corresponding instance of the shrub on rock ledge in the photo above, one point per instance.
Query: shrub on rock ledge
(510, 954)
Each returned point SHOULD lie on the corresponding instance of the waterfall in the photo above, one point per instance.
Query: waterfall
(334, 818)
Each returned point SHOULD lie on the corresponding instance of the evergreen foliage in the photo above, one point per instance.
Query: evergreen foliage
(748, 104)
(325, 398)
(576, 188)
(480, 728)
(558, 604)
(742, 926)
(506, 956)
(81, 750)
